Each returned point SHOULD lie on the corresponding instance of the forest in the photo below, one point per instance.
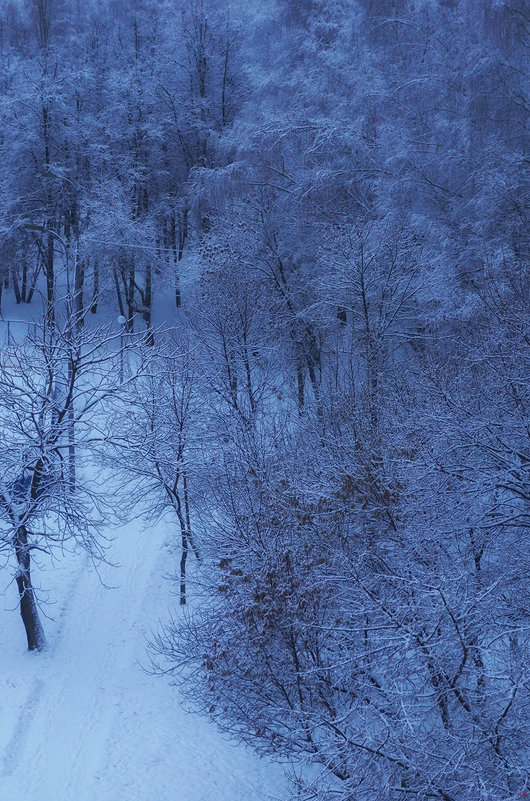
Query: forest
(264, 270)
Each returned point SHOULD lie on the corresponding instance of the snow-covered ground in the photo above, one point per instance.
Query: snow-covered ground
(81, 721)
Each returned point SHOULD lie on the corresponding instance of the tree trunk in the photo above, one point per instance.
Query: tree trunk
(50, 277)
(16, 288)
(28, 603)
(129, 281)
(148, 304)
(33, 282)
(71, 436)
(177, 239)
(95, 288)
(24, 288)
(183, 559)
(118, 292)
(79, 283)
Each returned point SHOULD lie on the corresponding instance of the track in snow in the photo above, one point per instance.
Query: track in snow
(86, 724)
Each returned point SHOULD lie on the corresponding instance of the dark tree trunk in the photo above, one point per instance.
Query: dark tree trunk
(183, 235)
(95, 288)
(24, 288)
(177, 239)
(50, 278)
(188, 518)
(173, 236)
(129, 281)
(118, 292)
(126, 297)
(187, 539)
(34, 277)
(71, 435)
(79, 283)
(16, 288)
(148, 304)
(28, 603)
(183, 560)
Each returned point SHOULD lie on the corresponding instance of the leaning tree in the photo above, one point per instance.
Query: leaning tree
(54, 386)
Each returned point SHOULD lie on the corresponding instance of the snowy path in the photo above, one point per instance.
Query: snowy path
(83, 722)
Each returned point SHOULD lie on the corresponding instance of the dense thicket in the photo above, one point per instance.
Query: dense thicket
(342, 183)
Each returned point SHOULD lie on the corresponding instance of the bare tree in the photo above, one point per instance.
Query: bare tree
(53, 389)
(158, 435)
